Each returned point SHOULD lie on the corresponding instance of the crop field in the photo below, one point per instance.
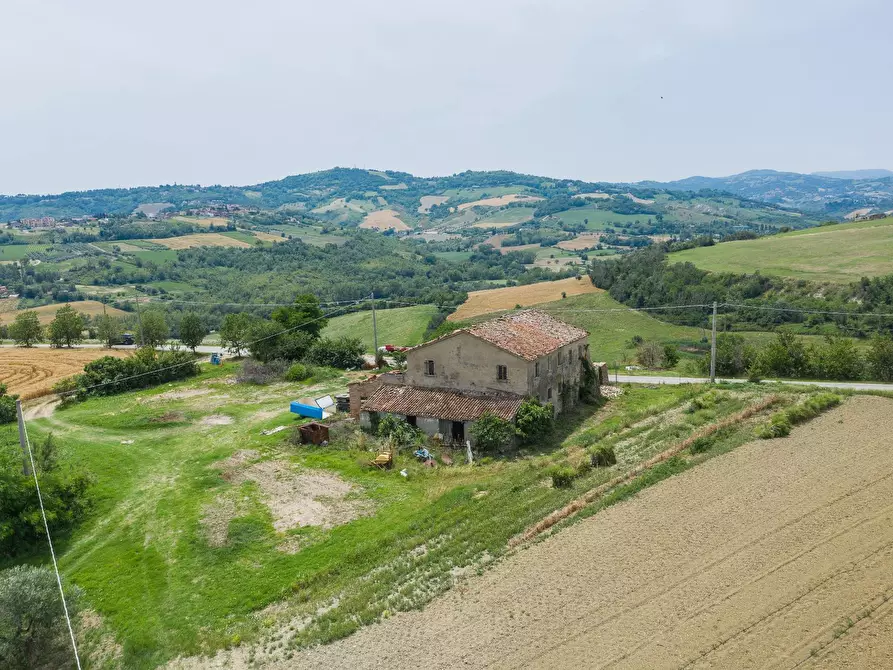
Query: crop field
(383, 219)
(29, 371)
(402, 326)
(199, 240)
(426, 202)
(838, 253)
(47, 313)
(206, 221)
(499, 201)
(596, 219)
(268, 237)
(786, 560)
(506, 218)
(498, 299)
(580, 242)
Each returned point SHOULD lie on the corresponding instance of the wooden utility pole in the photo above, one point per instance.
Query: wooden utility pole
(139, 316)
(713, 348)
(374, 328)
(26, 468)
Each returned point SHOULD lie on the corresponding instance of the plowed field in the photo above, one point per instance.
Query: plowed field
(27, 371)
(778, 554)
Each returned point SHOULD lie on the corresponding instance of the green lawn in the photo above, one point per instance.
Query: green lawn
(15, 252)
(838, 253)
(242, 237)
(403, 326)
(159, 257)
(172, 286)
(453, 255)
(307, 234)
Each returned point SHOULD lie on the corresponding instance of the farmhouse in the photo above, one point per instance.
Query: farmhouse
(491, 368)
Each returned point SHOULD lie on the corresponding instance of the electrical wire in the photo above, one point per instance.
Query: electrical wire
(807, 311)
(50, 542)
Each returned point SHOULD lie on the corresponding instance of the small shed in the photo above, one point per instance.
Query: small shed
(314, 433)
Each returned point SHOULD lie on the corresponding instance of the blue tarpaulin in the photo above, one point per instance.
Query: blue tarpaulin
(301, 409)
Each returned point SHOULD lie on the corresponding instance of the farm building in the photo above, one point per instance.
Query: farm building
(491, 367)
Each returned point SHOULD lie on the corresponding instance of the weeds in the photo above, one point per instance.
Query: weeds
(781, 423)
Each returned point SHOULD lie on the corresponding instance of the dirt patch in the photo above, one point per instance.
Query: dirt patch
(216, 518)
(303, 498)
(497, 299)
(216, 420)
(181, 394)
(594, 196)
(384, 219)
(268, 237)
(41, 408)
(763, 557)
(639, 201)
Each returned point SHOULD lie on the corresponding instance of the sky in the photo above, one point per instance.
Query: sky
(104, 93)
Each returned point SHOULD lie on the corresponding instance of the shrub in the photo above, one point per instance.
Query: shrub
(343, 353)
(7, 406)
(880, 358)
(256, 372)
(534, 420)
(781, 422)
(491, 433)
(398, 430)
(650, 354)
(32, 629)
(562, 476)
(701, 444)
(704, 401)
(147, 367)
(298, 372)
(602, 456)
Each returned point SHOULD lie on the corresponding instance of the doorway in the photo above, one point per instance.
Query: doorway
(458, 431)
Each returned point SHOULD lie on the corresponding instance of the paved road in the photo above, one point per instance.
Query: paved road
(655, 379)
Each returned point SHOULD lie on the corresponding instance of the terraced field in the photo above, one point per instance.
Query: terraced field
(777, 554)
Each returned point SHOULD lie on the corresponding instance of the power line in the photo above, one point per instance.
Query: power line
(47, 529)
(806, 311)
(185, 363)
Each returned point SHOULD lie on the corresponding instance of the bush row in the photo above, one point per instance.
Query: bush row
(109, 375)
(781, 423)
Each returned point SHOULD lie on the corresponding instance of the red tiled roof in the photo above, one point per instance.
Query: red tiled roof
(528, 334)
(441, 403)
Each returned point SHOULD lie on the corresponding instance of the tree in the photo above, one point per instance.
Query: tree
(671, 355)
(46, 454)
(109, 329)
(650, 354)
(880, 358)
(733, 355)
(838, 358)
(343, 352)
(491, 433)
(304, 315)
(32, 627)
(67, 328)
(236, 332)
(269, 343)
(192, 330)
(26, 329)
(154, 330)
(7, 406)
(785, 356)
(534, 420)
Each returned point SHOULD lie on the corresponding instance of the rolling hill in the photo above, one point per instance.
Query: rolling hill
(836, 253)
(829, 195)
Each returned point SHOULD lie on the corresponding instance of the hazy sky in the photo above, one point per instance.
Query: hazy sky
(100, 93)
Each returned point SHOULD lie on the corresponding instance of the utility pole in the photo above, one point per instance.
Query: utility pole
(139, 316)
(713, 348)
(26, 469)
(374, 327)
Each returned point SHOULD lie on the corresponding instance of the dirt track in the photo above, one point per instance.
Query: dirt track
(778, 554)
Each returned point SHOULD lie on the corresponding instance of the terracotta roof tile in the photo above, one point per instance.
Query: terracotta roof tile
(528, 334)
(441, 403)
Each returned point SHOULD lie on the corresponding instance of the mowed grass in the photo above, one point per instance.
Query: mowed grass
(839, 253)
(47, 313)
(402, 326)
(161, 590)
